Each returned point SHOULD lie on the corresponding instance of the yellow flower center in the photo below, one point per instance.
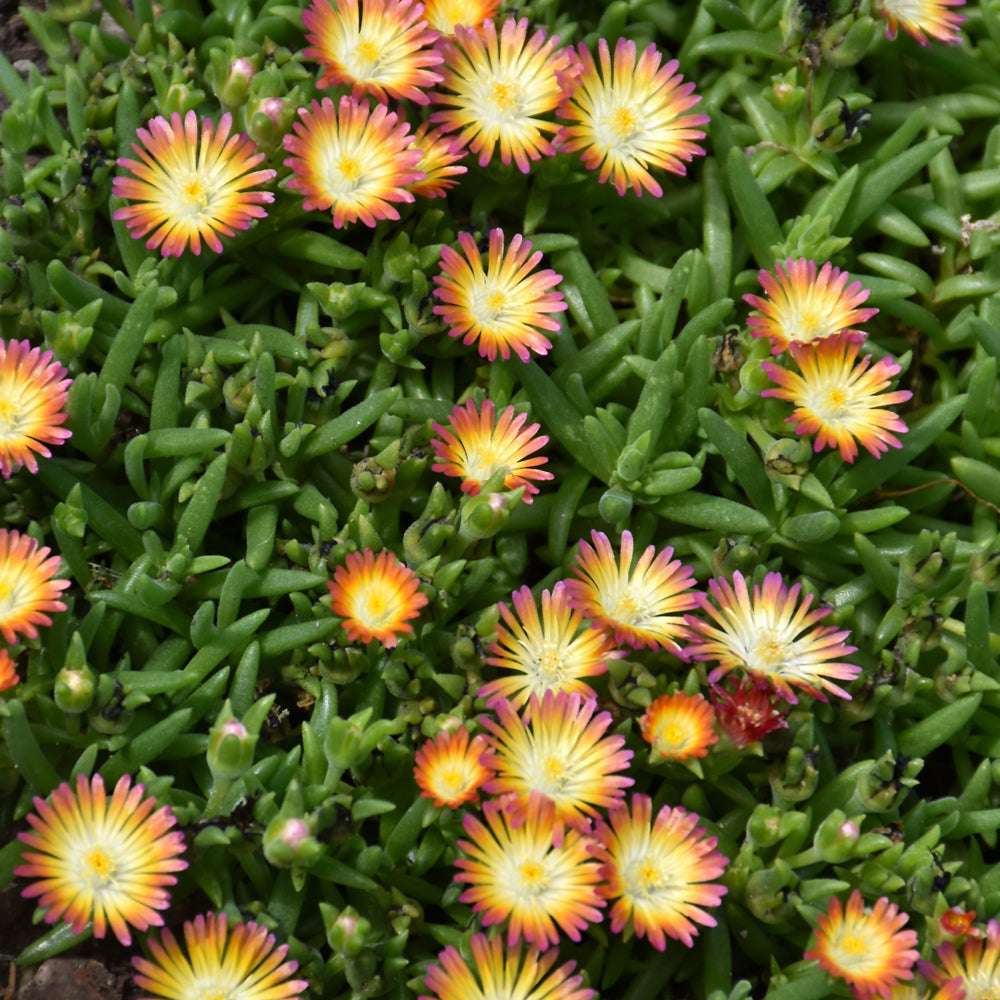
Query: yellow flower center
(673, 735)
(349, 168)
(642, 877)
(623, 122)
(6, 589)
(10, 419)
(503, 95)
(532, 878)
(366, 51)
(99, 866)
(194, 194)
(769, 651)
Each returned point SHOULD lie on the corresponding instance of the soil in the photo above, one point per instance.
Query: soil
(16, 41)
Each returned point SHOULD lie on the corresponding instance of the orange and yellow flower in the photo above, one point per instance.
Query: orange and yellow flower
(8, 672)
(630, 115)
(32, 400)
(920, 18)
(504, 306)
(551, 652)
(841, 402)
(679, 726)
(866, 949)
(448, 769)
(974, 973)
(499, 89)
(27, 589)
(439, 160)
(518, 874)
(639, 605)
(443, 16)
(748, 713)
(187, 191)
(659, 871)
(352, 159)
(241, 963)
(773, 637)
(103, 861)
(502, 973)
(377, 596)
(383, 48)
(803, 306)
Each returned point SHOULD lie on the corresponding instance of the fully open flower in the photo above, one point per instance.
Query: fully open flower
(630, 115)
(502, 973)
(747, 713)
(973, 972)
(503, 306)
(659, 871)
(803, 306)
(27, 589)
(100, 860)
(187, 191)
(499, 87)
(920, 18)
(238, 964)
(550, 652)
(376, 595)
(383, 48)
(439, 161)
(866, 949)
(32, 400)
(639, 605)
(517, 874)
(679, 726)
(841, 402)
(8, 672)
(773, 637)
(475, 446)
(444, 16)
(353, 160)
(447, 769)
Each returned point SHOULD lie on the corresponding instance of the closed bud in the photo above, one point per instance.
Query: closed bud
(484, 515)
(235, 86)
(348, 934)
(289, 842)
(231, 746)
(837, 837)
(74, 690)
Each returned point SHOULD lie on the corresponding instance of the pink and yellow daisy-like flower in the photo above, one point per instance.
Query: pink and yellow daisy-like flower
(659, 871)
(502, 973)
(444, 16)
(553, 651)
(377, 596)
(241, 963)
(630, 115)
(351, 159)
(679, 726)
(476, 446)
(920, 18)
(917, 989)
(27, 589)
(973, 972)
(841, 402)
(504, 306)
(448, 769)
(748, 713)
(32, 400)
(8, 672)
(497, 88)
(381, 47)
(188, 190)
(867, 949)
(803, 306)
(100, 860)
(439, 160)
(639, 605)
(560, 756)
(517, 874)
(773, 637)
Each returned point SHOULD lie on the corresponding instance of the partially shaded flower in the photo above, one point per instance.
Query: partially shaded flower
(920, 18)
(502, 973)
(630, 115)
(100, 860)
(241, 963)
(866, 949)
(499, 87)
(444, 16)
(503, 306)
(747, 713)
(351, 159)
(639, 605)
(382, 48)
(773, 637)
(803, 306)
(8, 672)
(27, 589)
(659, 871)
(517, 874)
(841, 402)
(439, 160)
(975, 971)
(476, 446)
(188, 191)
(32, 405)
(377, 596)
(448, 769)
(679, 726)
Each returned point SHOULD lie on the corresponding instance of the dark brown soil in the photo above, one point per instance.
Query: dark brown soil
(16, 42)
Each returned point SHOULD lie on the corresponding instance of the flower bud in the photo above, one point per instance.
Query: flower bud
(233, 90)
(289, 842)
(837, 837)
(74, 690)
(348, 933)
(231, 743)
(484, 515)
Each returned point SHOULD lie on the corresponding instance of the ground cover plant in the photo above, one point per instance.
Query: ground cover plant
(501, 501)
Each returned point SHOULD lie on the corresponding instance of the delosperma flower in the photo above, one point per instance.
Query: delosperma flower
(444, 16)
(440, 157)
(32, 405)
(678, 727)
(839, 399)
(748, 712)
(188, 190)
(972, 971)
(920, 18)
(448, 769)
(866, 948)
(101, 860)
(504, 306)
(629, 115)
(377, 597)
(27, 589)
(8, 672)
